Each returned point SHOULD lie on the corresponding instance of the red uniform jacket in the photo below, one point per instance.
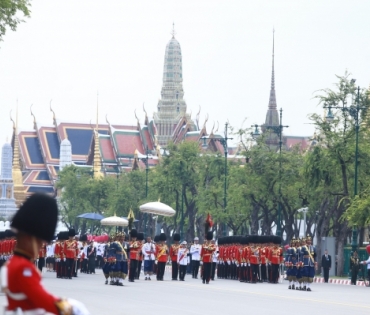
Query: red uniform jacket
(161, 252)
(134, 250)
(42, 251)
(70, 249)
(206, 252)
(25, 280)
(173, 251)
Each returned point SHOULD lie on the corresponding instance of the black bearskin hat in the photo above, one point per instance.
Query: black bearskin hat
(71, 232)
(176, 237)
(209, 236)
(140, 236)
(133, 233)
(156, 238)
(38, 216)
(162, 237)
(83, 238)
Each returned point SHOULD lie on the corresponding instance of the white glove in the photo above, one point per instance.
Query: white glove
(156, 261)
(64, 259)
(229, 262)
(201, 263)
(78, 308)
(249, 264)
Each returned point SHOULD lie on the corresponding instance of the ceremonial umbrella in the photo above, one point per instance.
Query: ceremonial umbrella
(158, 208)
(91, 216)
(114, 221)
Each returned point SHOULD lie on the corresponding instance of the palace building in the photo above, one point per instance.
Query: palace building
(106, 149)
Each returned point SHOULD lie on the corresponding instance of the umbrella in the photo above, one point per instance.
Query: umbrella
(114, 221)
(158, 208)
(91, 216)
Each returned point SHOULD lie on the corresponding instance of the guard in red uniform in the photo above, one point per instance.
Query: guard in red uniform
(34, 223)
(41, 257)
(134, 255)
(71, 251)
(161, 256)
(206, 257)
(140, 238)
(173, 254)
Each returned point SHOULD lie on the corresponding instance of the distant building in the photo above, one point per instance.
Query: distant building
(8, 205)
(273, 118)
(109, 149)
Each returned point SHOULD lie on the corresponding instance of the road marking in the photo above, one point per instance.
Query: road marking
(210, 288)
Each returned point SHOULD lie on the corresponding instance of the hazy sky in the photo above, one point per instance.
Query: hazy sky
(68, 50)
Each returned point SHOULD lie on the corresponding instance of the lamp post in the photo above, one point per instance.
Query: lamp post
(353, 111)
(279, 131)
(304, 210)
(223, 141)
(146, 162)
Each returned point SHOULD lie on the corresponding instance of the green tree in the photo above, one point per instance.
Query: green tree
(10, 11)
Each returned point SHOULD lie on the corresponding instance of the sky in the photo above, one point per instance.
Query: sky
(69, 51)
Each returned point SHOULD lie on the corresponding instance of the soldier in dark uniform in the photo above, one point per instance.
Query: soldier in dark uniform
(354, 266)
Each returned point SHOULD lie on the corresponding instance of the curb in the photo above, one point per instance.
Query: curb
(339, 281)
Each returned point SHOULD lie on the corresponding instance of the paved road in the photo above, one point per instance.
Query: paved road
(219, 297)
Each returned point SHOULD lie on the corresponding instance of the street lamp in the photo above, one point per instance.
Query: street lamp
(146, 162)
(279, 131)
(223, 141)
(353, 111)
(304, 210)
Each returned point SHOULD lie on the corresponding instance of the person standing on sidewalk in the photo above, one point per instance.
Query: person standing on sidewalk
(182, 260)
(195, 257)
(326, 265)
(354, 265)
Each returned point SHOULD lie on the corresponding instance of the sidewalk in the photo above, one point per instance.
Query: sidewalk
(339, 281)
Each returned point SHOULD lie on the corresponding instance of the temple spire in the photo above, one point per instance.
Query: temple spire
(97, 158)
(19, 190)
(272, 100)
(173, 33)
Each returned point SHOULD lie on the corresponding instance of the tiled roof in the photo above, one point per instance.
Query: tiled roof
(44, 189)
(126, 142)
(146, 138)
(106, 150)
(30, 150)
(37, 177)
(50, 144)
(294, 140)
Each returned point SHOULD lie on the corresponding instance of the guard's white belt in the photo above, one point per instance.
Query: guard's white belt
(16, 296)
(37, 311)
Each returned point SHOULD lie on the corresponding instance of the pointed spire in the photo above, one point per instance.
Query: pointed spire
(272, 100)
(97, 158)
(54, 118)
(173, 33)
(19, 190)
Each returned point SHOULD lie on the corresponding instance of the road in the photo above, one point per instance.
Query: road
(219, 297)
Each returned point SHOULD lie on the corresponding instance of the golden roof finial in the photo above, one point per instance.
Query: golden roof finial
(97, 157)
(54, 118)
(34, 118)
(19, 190)
(137, 119)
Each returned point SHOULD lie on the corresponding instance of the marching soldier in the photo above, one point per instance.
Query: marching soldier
(140, 238)
(182, 260)
(35, 223)
(195, 257)
(161, 256)
(148, 252)
(309, 263)
(206, 257)
(291, 264)
(71, 251)
(134, 255)
(41, 257)
(214, 261)
(174, 257)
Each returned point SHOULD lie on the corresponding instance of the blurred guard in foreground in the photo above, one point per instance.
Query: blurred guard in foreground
(34, 224)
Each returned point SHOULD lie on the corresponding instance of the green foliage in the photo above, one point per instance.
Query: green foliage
(10, 14)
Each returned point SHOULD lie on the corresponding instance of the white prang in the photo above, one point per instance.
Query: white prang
(8, 206)
(65, 158)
